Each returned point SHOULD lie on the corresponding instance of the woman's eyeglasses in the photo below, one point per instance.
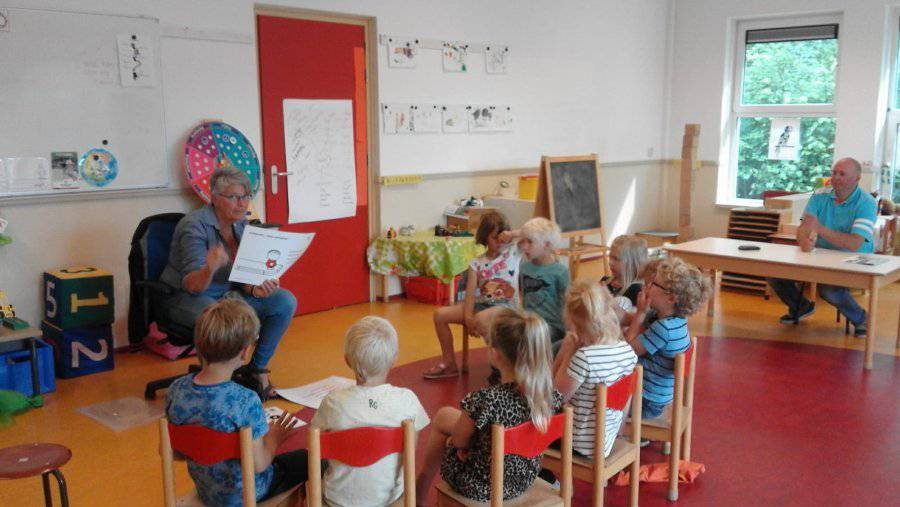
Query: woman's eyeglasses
(236, 197)
(660, 287)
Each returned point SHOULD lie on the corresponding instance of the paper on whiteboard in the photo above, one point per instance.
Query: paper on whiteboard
(265, 254)
(318, 144)
(136, 61)
(25, 174)
(397, 118)
(426, 118)
(311, 395)
(454, 119)
(402, 52)
(496, 58)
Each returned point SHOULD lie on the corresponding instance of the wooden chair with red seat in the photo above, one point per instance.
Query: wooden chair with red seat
(207, 447)
(522, 440)
(624, 452)
(674, 426)
(361, 447)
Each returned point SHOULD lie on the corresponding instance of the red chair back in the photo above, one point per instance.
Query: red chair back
(618, 394)
(527, 441)
(203, 445)
(360, 447)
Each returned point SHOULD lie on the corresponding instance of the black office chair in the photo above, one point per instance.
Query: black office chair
(149, 255)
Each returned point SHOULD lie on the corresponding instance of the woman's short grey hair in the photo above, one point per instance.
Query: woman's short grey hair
(227, 176)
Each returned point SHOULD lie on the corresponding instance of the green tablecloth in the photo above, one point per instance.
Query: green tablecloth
(422, 254)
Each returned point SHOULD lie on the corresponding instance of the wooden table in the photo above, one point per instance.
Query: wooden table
(785, 261)
(30, 335)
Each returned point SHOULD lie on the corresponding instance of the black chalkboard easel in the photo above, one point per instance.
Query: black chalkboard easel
(569, 194)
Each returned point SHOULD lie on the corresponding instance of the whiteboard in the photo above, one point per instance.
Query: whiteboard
(62, 91)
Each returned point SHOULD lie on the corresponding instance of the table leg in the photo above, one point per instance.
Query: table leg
(35, 379)
(870, 324)
(384, 288)
(715, 278)
(451, 292)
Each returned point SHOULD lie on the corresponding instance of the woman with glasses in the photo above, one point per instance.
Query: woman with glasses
(203, 249)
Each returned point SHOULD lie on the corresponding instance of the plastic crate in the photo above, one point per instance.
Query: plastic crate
(15, 370)
(429, 290)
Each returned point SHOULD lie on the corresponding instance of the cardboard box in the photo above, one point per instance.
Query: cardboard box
(80, 351)
(77, 297)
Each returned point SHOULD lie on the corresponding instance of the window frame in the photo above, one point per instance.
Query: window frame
(726, 192)
(892, 118)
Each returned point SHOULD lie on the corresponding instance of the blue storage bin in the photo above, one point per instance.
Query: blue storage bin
(15, 370)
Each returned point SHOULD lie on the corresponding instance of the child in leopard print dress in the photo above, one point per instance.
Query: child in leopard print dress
(460, 440)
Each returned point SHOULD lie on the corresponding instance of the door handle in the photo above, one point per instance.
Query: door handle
(274, 178)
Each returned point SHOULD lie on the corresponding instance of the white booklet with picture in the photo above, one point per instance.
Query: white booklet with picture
(865, 260)
(266, 254)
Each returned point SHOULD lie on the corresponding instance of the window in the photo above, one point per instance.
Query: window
(890, 179)
(782, 121)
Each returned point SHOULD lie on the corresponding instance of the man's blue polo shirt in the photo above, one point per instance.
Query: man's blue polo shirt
(856, 215)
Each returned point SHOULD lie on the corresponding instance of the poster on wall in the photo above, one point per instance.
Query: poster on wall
(496, 58)
(402, 52)
(784, 139)
(454, 55)
(454, 119)
(318, 145)
(136, 61)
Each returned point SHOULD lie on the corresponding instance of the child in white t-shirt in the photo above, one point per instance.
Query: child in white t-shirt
(593, 352)
(370, 349)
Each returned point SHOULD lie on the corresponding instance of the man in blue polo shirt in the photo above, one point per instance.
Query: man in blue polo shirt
(841, 217)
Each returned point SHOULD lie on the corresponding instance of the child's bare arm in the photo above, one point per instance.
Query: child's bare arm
(265, 448)
(462, 431)
(510, 235)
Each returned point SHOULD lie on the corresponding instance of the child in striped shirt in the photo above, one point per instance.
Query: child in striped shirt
(674, 292)
(593, 352)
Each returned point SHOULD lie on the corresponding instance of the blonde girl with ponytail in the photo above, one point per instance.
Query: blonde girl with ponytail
(593, 352)
(460, 440)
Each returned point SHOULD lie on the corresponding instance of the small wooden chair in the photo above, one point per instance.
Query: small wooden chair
(207, 447)
(523, 440)
(625, 452)
(674, 426)
(360, 447)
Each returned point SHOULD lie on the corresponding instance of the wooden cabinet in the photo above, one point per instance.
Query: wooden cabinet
(752, 224)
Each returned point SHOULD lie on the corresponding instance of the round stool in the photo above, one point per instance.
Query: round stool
(28, 460)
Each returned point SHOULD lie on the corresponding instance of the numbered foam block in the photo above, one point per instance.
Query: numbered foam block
(80, 351)
(78, 297)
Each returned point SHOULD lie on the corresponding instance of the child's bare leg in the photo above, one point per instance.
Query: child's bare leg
(442, 425)
(443, 317)
(484, 318)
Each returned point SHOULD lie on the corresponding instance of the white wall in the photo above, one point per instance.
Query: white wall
(703, 43)
(587, 76)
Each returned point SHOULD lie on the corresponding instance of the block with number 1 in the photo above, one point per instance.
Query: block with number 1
(78, 297)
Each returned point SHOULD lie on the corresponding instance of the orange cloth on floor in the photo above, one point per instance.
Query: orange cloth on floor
(659, 472)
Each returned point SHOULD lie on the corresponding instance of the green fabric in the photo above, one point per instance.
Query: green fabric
(13, 402)
(543, 290)
(423, 254)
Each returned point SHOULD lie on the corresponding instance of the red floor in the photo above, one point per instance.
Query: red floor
(774, 423)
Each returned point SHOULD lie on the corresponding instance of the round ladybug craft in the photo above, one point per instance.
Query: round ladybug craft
(212, 145)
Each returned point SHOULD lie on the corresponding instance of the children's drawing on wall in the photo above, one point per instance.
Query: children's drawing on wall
(496, 59)
(64, 169)
(454, 119)
(481, 118)
(397, 118)
(426, 118)
(321, 166)
(784, 139)
(455, 55)
(402, 52)
(136, 61)
(503, 119)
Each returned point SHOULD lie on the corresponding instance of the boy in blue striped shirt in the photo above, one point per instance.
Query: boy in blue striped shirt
(676, 291)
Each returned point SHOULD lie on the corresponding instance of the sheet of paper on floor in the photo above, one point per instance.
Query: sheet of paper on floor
(311, 395)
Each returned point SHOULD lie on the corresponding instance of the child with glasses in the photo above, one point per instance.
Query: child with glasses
(675, 291)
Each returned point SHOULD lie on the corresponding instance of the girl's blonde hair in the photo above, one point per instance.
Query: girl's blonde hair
(632, 254)
(524, 339)
(541, 230)
(690, 287)
(590, 310)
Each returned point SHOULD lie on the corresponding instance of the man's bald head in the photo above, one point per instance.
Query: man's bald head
(848, 163)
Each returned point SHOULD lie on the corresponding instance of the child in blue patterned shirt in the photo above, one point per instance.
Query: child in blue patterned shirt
(224, 336)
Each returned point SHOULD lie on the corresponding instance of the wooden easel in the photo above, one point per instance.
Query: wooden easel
(689, 163)
(544, 206)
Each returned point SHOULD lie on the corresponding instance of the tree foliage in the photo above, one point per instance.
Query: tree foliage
(799, 72)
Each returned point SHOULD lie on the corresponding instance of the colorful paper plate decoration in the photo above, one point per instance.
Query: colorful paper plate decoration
(98, 167)
(213, 145)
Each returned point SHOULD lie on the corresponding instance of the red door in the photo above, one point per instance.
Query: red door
(302, 59)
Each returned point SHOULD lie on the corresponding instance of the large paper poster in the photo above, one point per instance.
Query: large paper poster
(318, 145)
(784, 139)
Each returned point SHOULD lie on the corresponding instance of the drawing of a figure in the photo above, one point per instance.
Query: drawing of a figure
(783, 139)
(272, 265)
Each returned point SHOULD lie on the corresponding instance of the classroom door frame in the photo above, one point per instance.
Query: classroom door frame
(373, 140)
